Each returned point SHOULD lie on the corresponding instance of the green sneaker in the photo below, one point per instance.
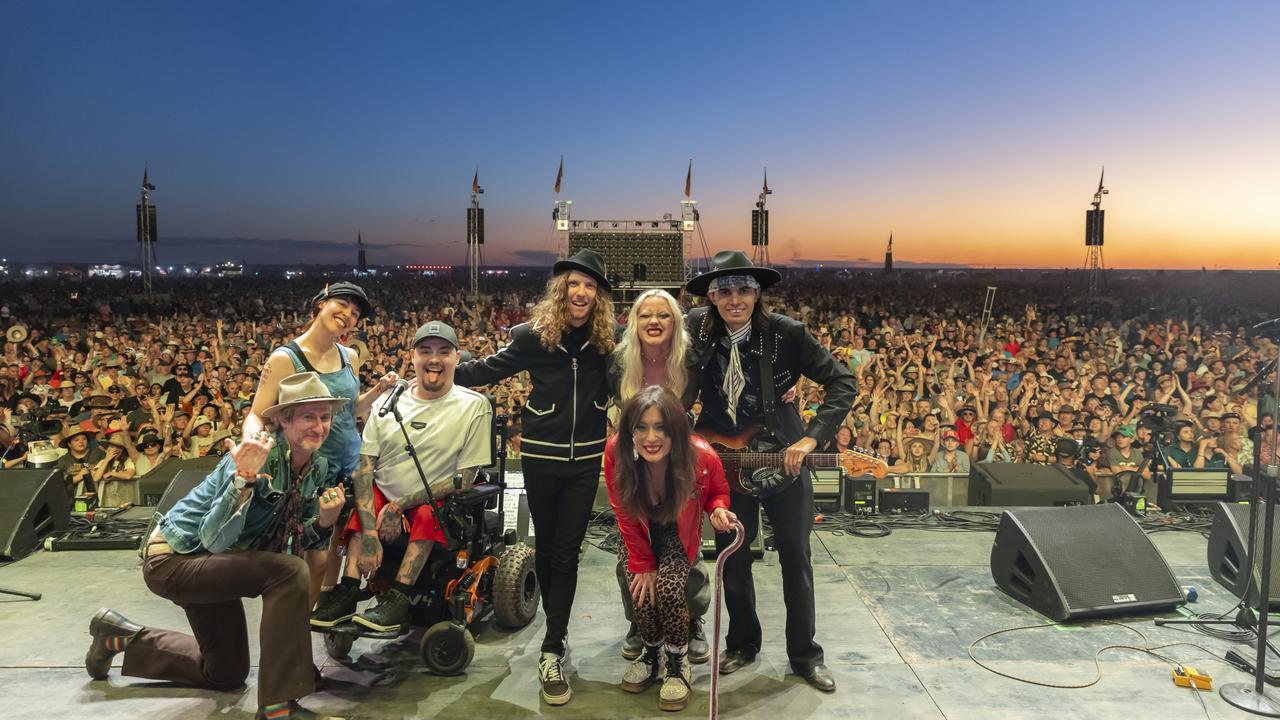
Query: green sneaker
(389, 615)
(336, 606)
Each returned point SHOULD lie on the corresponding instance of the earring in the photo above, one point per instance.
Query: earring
(635, 454)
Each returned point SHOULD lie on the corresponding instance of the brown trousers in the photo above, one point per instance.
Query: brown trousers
(209, 587)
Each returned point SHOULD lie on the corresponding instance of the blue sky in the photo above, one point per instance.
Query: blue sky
(973, 131)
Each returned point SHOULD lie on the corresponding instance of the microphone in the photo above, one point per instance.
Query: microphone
(1268, 327)
(400, 386)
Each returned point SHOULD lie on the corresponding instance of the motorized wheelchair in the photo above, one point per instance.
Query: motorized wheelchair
(482, 573)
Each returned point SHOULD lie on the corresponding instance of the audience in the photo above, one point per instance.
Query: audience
(123, 384)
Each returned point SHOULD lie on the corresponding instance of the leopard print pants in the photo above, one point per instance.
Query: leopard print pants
(667, 620)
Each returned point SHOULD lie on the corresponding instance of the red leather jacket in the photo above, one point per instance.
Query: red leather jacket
(712, 492)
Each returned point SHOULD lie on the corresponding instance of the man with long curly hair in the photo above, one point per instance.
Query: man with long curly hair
(564, 348)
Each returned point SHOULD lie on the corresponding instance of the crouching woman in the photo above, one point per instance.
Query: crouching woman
(661, 478)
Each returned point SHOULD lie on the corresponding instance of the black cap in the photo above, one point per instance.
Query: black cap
(348, 290)
(1065, 448)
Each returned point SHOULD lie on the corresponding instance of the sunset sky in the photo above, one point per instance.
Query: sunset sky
(974, 132)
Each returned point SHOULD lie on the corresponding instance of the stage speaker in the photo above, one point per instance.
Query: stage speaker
(183, 483)
(827, 486)
(1043, 558)
(153, 485)
(1025, 485)
(1228, 540)
(33, 504)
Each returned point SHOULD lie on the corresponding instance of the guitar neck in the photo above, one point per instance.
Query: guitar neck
(759, 460)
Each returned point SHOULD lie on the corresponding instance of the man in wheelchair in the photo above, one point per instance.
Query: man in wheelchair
(450, 429)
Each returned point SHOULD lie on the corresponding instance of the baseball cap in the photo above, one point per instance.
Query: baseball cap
(436, 329)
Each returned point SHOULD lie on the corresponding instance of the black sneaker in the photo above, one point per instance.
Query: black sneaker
(632, 645)
(336, 606)
(555, 686)
(389, 615)
(699, 650)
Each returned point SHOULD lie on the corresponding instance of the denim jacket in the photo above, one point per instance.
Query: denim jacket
(207, 518)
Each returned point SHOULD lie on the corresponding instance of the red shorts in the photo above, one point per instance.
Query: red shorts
(420, 521)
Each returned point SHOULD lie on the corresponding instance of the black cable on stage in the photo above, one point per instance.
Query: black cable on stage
(1146, 649)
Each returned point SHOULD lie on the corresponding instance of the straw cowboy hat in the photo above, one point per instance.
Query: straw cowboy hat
(301, 388)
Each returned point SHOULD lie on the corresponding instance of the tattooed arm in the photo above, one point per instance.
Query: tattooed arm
(414, 499)
(370, 548)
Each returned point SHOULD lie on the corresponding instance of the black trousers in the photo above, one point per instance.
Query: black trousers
(560, 495)
(791, 515)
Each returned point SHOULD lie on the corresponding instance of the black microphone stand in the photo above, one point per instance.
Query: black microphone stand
(1253, 698)
(1242, 615)
(422, 474)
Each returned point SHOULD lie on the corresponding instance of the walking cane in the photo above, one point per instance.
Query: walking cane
(715, 640)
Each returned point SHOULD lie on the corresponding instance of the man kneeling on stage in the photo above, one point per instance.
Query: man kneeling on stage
(238, 534)
(450, 428)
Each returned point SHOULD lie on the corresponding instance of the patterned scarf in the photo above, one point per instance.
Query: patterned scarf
(734, 382)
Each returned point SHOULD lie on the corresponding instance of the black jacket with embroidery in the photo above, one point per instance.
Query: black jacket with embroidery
(794, 353)
(564, 416)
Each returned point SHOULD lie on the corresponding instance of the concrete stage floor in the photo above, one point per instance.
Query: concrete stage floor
(895, 616)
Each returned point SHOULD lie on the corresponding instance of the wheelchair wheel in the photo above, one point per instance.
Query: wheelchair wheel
(515, 587)
(447, 648)
(338, 645)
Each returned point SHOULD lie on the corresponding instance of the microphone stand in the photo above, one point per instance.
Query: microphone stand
(1252, 698)
(422, 474)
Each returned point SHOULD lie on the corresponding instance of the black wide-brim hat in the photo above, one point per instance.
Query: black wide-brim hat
(587, 261)
(733, 262)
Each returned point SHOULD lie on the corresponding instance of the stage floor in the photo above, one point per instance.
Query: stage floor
(895, 615)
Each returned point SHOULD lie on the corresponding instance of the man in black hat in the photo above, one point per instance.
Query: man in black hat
(742, 359)
(1040, 441)
(564, 347)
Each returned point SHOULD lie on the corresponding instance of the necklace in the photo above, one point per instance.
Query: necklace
(655, 361)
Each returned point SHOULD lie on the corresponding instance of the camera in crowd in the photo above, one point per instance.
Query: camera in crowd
(38, 424)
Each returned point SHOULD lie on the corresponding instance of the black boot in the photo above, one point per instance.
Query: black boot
(632, 645)
(699, 650)
(109, 633)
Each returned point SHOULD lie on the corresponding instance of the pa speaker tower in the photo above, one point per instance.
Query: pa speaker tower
(1042, 559)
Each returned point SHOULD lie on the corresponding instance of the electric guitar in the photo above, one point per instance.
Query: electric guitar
(756, 448)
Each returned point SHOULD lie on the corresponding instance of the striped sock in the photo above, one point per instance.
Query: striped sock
(116, 643)
(276, 711)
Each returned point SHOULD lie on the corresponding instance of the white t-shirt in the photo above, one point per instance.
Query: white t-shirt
(449, 433)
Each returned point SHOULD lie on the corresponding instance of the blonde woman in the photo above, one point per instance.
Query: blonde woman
(652, 348)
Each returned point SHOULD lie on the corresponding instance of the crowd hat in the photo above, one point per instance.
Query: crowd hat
(301, 388)
(436, 329)
(587, 261)
(78, 431)
(733, 262)
(348, 290)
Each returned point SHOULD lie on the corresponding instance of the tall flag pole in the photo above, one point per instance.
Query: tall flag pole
(560, 175)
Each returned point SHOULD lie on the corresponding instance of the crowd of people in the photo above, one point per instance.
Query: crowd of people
(281, 378)
(116, 383)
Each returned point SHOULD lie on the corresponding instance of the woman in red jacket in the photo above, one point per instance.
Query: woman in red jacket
(661, 478)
